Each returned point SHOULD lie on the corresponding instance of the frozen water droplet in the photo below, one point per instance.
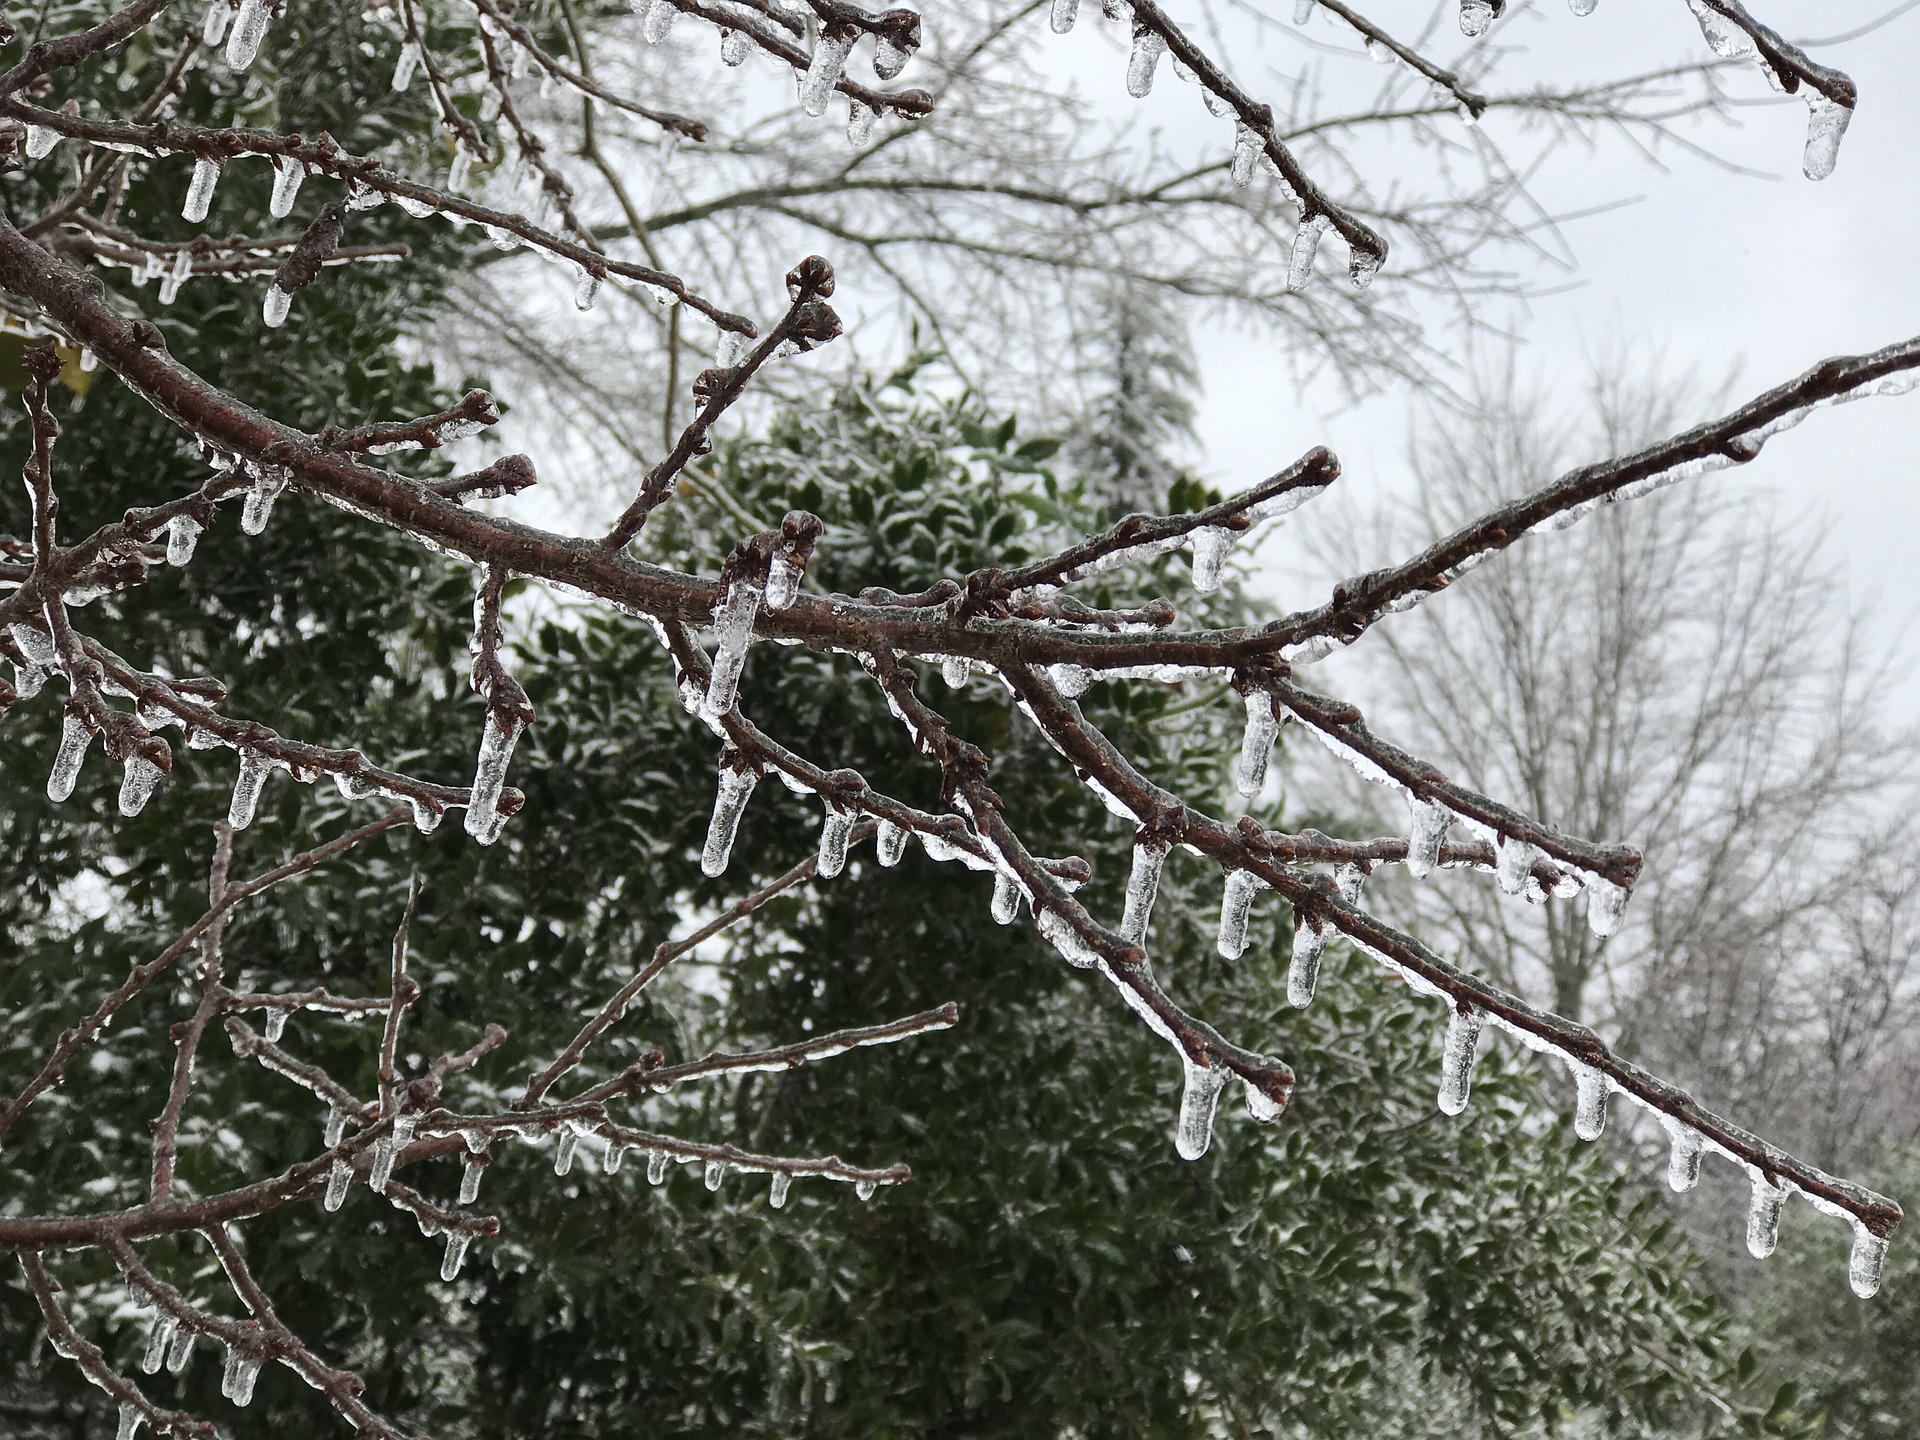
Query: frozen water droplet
(249, 29)
(889, 59)
(1148, 47)
(833, 843)
(1606, 902)
(456, 1254)
(470, 1181)
(586, 288)
(1199, 1099)
(610, 1161)
(1061, 15)
(257, 509)
(1513, 863)
(1379, 52)
(1456, 1063)
(1236, 903)
(1582, 7)
(159, 1341)
(1306, 240)
(276, 1025)
(658, 21)
(183, 532)
(1827, 122)
(137, 783)
(1426, 828)
(860, 118)
(214, 28)
(130, 1416)
(1210, 545)
(1303, 971)
(734, 45)
(563, 1150)
(715, 1173)
(182, 1351)
(1866, 1262)
(1256, 744)
(75, 737)
(890, 844)
(40, 141)
(1763, 1217)
(954, 669)
(657, 1167)
(336, 1128)
(782, 1182)
(1475, 17)
(1684, 1146)
(864, 1189)
(1247, 147)
(1006, 899)
(729, 801)
(1362, 266)
(1262, 1108)
(1143, 885)
(206, 174)
(246, 788)
(823, 71)
(287, 175)
(273, 309)
(1590, 1102)
(490, 776)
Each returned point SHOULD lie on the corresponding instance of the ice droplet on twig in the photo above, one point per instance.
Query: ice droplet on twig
(1606, 902)
(470, 1181)
(137, 783)
(834, 832)
(783, 582)
(339, 1176)
(610, 1160)
(1199, 1099)
(258, 506)
(1236, 903)
(734, 45)
(1582, 7)
(782, 1182)
(1426, 828)
(1475, 17)
(1006, 899)
(889, 58)
(733, 632)
(1306, 241)
(1302, 11)
(336, 1128)
(214, 29)
(1590, 1102)
(182, 1351)
(657, 1167)
(1303, 971)
(1684, 1146)
(450, 1263)
(274, 308)
(242, 1373)
(1827, 122)
(863, 1189)
(1210, 544)
(1379, 52)
(1247, 146)
(729, 800)
(1256, 745)
(206, 174)
(954, 669)
(183, 533)
(823, 71)
(563, 1149)
(1456, 1062)
(1143, 885)
(1061, 15)
(715, 1173)
(658, 21)
(1148, 47)
(40, 141)
(287, 175)
(1866, 1261)
(129, 1420)
(159, 1341)
(1513, 863)
(75, 736)
(1763, 1217)
(490, 776)
(889, 844)
(860, 118)
(1058, 932)
(249, 29)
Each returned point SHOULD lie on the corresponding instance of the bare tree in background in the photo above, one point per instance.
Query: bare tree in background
(1017, 626)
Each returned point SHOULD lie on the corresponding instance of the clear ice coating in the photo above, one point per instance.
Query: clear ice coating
(287, 175)
(1061, 15)
(889, 844)
(1247, 147)
(834, 832)
(1513, 862)
(611, 1160)
(1006, 898)
(657, 1167)
(734, 45)
(40, 141)
(137, 783)
(183, 533)
(1148, 47)
(1827, 122)
(860, 118)
(782, 1182)
(658, 20)
(470, 1181)
(159, 1341)
(1236, 903)
(563, 1149)
(823, 72)
(733, 632)
(339, 1176)
(1143, 884)
(1606, 903)
(1763, 1217)
(1684, 1146)
(275, 1026)
(214, 29)
(490, 777)
(1867, 1260)
(1058, 932)
(1306, 241)
(954, 669)
(1590, 1102)
(1256, 745)
(783, 582)
(456, 1254)
(75, 736)
(1303, 971)
(889, 59)
(1379, 52)
(1426, 828)
(729, 800)
(1199, 1099)
(249, 29)
(267, 485)
(1456, 1062)
(336, 1128)
(1475, 17)
(129, 1420)
(1210, 545)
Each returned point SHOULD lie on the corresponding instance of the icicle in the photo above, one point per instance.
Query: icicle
(782, 1182)
(1606, 902)
(1006, 898)
(404, 65)
(657, 1167)
(823, 72)
(1148, 47)
(889, 844)
(182, 1351)
(1426, 828)
(1867, 1260)
(1456, 1064)
(40, 141)
(834, 832)
(336, 1128)
(1247, 147)
(1763, 1217)
(563, 1150)
(729, 800)
(1590, 1102)
(860, 118)
(159, 1341)
(1827, 122)
(246, 788)
(214, 29)
(715, 1173)
(129, 1417)
(470, 1181)
(864, 1189)
(183, 531)
(1143, 885)
(339, 1176)
(783, 582)
(733, 632)
(177, 276)
(243, 1372)
(137, 783)
(75, 737)
(1475, 17)
(457, 1242)
(611, 1160)
(1303, 971)
(1379, 52)
(1199, 1099)
(1513, 863)
(734, 45)
(206, 174)
(1256, 745)
(1236, 902)
(384, 1150)
(889, 58)
(658, 20)
(1683, 1156)
(266, 488)
(490, 776)
(1302, 11)
(1306, 240)
(1062, 15)
(248, 31)
(1210, 545)
(287, 175)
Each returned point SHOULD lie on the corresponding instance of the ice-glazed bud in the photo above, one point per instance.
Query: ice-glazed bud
(249, 29)
(1456, 1063)
(75, 736)
(823, 72)
(729, 802)
(206, 174)
(1199, 1100)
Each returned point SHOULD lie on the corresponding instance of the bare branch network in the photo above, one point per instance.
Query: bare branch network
(1016, 627)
